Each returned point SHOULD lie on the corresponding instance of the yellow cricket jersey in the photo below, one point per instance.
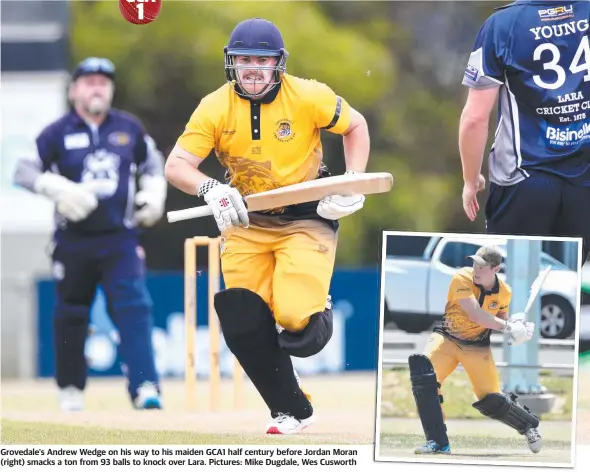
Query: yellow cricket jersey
(269, 143)
(456, 323)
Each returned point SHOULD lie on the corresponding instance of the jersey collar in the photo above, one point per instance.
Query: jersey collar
(495, 289)
(77, 120)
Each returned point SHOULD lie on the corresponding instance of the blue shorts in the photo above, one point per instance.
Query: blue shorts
(541, 205)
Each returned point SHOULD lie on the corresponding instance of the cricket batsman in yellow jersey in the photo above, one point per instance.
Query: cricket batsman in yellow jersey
(265, 126)
(478, 303)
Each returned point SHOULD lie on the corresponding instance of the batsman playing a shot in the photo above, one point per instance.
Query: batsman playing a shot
(265, 126)
(87, 162)
(478, 303)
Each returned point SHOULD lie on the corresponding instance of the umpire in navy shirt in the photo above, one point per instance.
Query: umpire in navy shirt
(105, 175)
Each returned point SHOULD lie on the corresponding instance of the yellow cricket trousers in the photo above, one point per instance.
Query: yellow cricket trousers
(289, 264)
(478, 363)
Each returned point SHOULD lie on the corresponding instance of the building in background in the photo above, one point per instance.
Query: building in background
(34, 69)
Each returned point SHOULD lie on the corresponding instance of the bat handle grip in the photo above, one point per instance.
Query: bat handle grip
(188, 213)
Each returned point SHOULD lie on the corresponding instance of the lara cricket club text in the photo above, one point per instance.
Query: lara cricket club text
(565, 136)
(573, 104)
(567, 107)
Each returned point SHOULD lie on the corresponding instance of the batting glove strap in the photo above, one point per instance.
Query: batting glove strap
(206, 186)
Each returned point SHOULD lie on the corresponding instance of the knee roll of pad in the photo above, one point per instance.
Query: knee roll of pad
(312, 339)
(425, 388)
(241, 311)
(505, 408)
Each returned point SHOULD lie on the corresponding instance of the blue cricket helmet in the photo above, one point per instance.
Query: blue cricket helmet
(94, 65)
(256, 37)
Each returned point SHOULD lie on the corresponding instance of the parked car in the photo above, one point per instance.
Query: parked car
(416, 288)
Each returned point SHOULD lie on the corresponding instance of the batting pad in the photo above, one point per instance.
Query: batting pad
(250, 333)
(428, 402)
(504, 408)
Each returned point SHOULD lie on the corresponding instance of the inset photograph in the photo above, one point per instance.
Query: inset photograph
(478, 349)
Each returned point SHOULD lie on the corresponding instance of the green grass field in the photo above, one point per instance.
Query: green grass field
(397, 399)
(465, 445)
(473, 437)
(22, 432)
(344, 407)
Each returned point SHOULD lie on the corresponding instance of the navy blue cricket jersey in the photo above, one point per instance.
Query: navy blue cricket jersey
(538, 53)
(110, 156)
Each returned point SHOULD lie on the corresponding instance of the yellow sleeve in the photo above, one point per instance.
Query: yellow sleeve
(330, 111)
(198, 137)
(505, 301)
(460, 288)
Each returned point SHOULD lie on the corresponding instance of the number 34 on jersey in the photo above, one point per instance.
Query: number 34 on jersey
(552, 59)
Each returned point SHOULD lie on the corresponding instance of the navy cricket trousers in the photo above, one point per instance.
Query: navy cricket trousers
(115, 262)
(541, 205)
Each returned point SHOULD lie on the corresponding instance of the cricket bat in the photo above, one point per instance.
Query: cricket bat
(304, 192)
(536, 289)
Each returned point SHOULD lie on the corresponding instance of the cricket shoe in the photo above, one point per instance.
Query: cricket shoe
(534, 440)
(71, 399)
(287, 424)
(148, 397)
(432, 447)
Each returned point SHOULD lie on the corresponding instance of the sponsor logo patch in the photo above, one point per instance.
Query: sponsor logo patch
(76, 141)
(471, 73)
(556, 13)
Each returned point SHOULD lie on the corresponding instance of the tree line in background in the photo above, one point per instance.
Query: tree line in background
(398, 63)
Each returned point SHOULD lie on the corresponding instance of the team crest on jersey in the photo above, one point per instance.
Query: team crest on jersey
(493, 305)
(471, 73)
(119, 138)
(101, 173)
(284, 131)
(557, 13)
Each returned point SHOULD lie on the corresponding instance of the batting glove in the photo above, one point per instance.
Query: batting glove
(517, 332)
(530, 326)
(226, 203)
(530, 330)
(334, 207)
